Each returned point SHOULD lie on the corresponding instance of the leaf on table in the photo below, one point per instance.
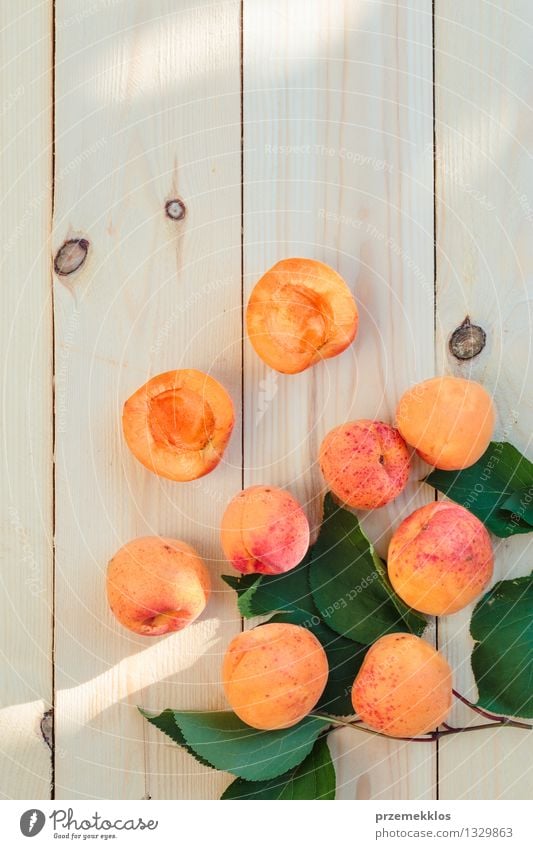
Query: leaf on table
(521, 504)
(345, 658)
(260, 594)
(349, 583)
(314, 778)
(166, 723)
(499, 485)
(221, 740)
(502, 658)
(245, 586)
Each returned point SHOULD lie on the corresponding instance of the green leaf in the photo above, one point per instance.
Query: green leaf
(314, 778)
(245, 586)
(502, 659)
(221, 740)
(488, 488)
(349, 584)
(166, 723)
(521, 504)
(345, 658)
(260, 594)
(234, 581)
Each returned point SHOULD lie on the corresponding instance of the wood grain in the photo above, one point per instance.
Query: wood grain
(26, 355)
(147, 110)
(484, 196)
(338, 167)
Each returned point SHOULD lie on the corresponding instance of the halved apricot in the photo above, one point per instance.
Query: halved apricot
(301, 311)
(179, 423)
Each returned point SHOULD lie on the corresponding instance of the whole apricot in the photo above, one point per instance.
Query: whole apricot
(365, 463)
(274, 675)
(179, 423)
(440, 558)
(299, 312)
(449, 420)
(265, 530)
(157, 585)
(404, 687)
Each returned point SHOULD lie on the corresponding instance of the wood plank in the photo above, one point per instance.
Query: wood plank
(484, 265)
(26, 353)
(147, 109)
(338, 167)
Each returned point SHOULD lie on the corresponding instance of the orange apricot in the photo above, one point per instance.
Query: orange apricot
(365, 463)
(449, 420)
(274, 675)
(440, 558)
(404, 687)
(265, 530)
(157, 585)
(178, 424)
(299, 312)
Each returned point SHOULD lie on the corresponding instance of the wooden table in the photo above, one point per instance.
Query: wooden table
(391, 142)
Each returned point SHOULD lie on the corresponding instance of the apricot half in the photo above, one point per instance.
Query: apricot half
(157, 585)
(440, 558)
(365, 463)
(265, 530)
(274, 675)
(299, 312)
(178, 424)
(404, 687)
(449, 420)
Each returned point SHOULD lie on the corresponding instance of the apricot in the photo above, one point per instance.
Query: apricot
(265, 530)
(404, 687)
(449, 420)
(157, 585)
(440, 558)
(274, 675)
(365, 463)
(178, 424)
(299, 312)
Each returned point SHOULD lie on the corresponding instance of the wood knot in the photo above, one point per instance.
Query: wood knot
(47, 728)
(175, 209)
(467, 340)
(70, 256)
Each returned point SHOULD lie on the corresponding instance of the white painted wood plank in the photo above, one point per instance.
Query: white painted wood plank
(147, 109)
(484, 83)
(338, 167)
(26, 355)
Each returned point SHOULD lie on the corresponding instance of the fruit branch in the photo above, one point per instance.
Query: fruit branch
(446, 731)
(492, 716)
